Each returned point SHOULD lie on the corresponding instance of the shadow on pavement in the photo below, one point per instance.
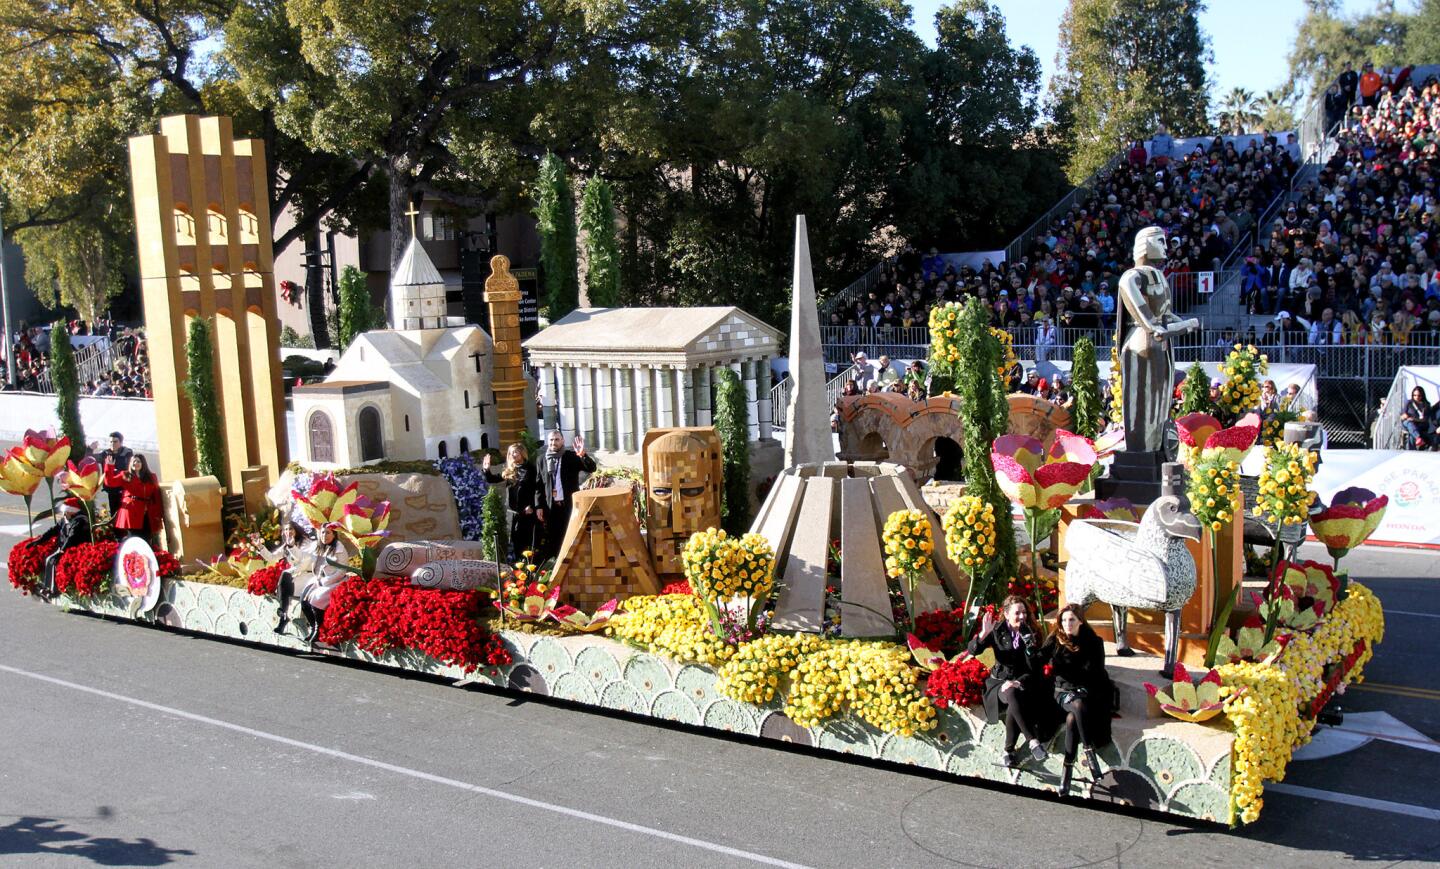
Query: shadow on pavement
(36, 835)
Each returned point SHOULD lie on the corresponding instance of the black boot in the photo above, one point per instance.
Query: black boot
(1094, 762)
(312, 618)
(1065, 779)
(286, 593)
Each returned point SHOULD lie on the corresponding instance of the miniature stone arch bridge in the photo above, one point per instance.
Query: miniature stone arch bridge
(925, 436)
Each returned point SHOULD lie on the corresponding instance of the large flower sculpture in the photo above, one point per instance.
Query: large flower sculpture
(83, 480)
(1039, 480)
(364, 521)
(45, 452)
(1353, 515)
(1190, 702)
(1202, 434)
(324, 502)
(1111, 508)
(19, 477)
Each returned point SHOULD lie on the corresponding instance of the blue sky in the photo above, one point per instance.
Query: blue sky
(1250, 38)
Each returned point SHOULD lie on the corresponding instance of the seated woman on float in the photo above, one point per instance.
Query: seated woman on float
(1016, 691)
(1075, 655)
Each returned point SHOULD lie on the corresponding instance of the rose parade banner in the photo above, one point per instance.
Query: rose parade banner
(1411, 479)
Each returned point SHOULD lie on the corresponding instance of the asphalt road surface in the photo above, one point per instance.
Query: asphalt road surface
(126, 745)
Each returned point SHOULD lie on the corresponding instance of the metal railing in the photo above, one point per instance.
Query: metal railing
(856, 288)
(780, 398)
(1016, 249)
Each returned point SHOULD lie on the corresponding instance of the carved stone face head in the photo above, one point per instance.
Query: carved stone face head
(1150, 244)
(682, 487)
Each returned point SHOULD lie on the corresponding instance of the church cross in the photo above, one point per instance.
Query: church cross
(412, 214)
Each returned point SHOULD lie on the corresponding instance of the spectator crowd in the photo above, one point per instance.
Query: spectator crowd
(127, 374)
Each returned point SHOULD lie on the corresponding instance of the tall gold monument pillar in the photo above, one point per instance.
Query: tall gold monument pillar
(502, 294)
(202, 224)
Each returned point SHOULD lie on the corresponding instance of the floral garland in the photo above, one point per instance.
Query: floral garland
(266, 580)
(761, 669)
(381, 615)
(944, 335)
(1117, 388)
(873, 681)
(469, 486)
(1271, 717)
(85, 569)
(26, 563)
(1240, 393)
(672, 625)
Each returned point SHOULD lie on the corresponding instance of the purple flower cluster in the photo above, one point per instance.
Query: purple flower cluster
(469, 486)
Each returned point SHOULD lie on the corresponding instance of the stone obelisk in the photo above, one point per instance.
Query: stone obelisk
(807, 416)
(502, 294)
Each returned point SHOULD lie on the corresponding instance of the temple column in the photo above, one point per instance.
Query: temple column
(645, 393)
(704, 408)
(684, 396)
(584, 403)
(665, 397)
(625, 399)
(568, 417)
(604, 409)
(550, 404)
(764, 411)
(752, 397)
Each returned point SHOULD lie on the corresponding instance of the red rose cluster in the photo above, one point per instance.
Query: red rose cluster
(27, 561)
(1049, 594)
(941, 630)
(169, 565)
(266, 580)
(680, 586)
(959, 682)
(384, 614)
(84, 570)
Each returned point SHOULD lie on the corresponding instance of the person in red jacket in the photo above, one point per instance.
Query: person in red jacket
(139, 514)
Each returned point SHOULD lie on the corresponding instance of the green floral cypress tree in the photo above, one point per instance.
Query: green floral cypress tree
(602, 249)
(1195, 392)
(732, 422)
(985, 411)
(204, 406)
(555, 214)
(67, 387)
(355, 308)
(494, 529)
(1086, 414)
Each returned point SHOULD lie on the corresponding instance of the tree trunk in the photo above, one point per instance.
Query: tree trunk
(315, 290)
(399, 221)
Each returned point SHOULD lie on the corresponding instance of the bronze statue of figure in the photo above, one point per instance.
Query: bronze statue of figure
(1147, 363)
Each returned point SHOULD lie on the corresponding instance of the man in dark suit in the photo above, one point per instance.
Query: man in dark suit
(71, 528)
(118, 457)
(558, 472)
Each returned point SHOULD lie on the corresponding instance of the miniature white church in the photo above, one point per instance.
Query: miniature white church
(419, 390)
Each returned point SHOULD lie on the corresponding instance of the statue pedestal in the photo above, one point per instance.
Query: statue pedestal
(1134, 476)
(1219, 570)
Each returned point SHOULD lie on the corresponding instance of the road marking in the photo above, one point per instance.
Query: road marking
(1389, 612)
(413, 773)
(1393, 808)
(1398, 690)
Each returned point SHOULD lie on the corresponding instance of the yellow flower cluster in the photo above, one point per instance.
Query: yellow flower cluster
(874, 681)
(970, 532)
(674, 625)
(1117, 389)
(945, 333)
(908, 543)
(760, 669)
(1285, 495)
(1211, 488)
(1008, 359)
(1267, 718)
(1240, 393)
(723, 567)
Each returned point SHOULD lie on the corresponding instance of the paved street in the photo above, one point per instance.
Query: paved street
(126, 745)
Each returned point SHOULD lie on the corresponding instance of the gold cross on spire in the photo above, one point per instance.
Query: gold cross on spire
(412, 213)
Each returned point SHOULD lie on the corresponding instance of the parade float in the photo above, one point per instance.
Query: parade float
(837, 621)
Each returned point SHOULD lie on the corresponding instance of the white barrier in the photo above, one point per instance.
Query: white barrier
(1411, 479)
(132, 417)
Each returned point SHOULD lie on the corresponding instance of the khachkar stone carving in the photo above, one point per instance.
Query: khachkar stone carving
(603, 555)
(202, 226)
(502, 294)
(807, 418)
(682, 468)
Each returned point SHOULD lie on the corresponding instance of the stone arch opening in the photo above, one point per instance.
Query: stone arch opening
(372, 438)
(321, 430)
(949, 459)
(873, 447)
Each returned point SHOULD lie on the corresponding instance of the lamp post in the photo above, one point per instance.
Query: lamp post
(5, 312)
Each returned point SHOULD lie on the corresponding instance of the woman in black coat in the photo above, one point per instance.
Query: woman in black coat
(1076, 658)
(520, 482)
(1016, 690)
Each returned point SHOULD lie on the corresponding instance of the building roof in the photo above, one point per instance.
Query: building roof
(415, 268)
(418, 360)
(657, 331)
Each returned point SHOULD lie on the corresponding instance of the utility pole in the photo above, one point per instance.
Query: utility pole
(5, 312)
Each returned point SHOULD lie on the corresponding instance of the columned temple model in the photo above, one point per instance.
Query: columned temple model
(202, 223)
(613, 374)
